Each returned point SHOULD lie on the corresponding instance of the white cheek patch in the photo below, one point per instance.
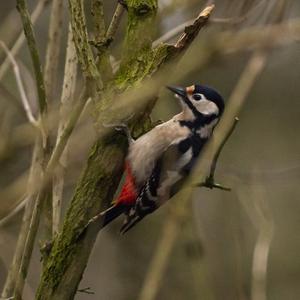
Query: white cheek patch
(208, 107)
(205, 106)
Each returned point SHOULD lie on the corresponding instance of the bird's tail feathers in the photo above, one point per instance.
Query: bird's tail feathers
(129, 223)
(111, 213)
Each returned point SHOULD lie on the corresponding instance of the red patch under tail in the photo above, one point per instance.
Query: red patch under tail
(128, 192)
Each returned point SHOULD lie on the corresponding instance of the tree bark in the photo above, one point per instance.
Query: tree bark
(69, 254)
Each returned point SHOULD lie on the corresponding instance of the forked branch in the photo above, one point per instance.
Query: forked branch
(210, 179)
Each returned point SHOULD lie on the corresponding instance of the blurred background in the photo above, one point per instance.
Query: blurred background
(227, 238)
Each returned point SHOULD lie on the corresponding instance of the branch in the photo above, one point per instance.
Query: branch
(53, 47)
(260, 215)
(158, 263)
(114, 24)
(98, 20)
(51, 75)
(13, 272)
(20, 40)
(22, 255)
(81, 41)
(28, 30)
(65, 109)
(87, 290)
(191, 31)
(20, 85)
(210, 179)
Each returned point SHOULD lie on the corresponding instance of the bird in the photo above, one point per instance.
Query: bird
(159, 161)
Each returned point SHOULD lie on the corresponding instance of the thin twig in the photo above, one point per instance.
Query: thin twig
(158, 263)
(86, 290)
(166, 37)
(260, 262)
(114, 24)
(171, 34)
(260, 215)
(210, 179)
(68, 129)
(20, 40)
(28, 30)
(53, 47)
(12, 275)
(23, 255)
(20, 85)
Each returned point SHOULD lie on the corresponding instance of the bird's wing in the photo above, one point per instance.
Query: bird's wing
(170, 169)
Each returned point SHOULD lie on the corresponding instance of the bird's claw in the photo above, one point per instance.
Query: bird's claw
(123, 3)
(211, 184)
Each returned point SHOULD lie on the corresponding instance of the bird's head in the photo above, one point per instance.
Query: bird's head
(199, 101)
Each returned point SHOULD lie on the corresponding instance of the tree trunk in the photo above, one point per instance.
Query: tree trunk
(69, 255)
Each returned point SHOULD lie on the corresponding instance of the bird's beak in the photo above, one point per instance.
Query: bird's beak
(177, 90)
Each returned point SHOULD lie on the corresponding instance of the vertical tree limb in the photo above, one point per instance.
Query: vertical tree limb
(53, 47)
(28, 30)
(20, 40)
(51, 67)
(67, 95)
(81, 41)
(35, 172)
(40, 144)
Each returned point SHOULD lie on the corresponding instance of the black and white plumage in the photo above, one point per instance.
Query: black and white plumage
(163, 157)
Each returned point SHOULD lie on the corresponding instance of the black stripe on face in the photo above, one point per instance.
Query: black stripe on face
(199, 122)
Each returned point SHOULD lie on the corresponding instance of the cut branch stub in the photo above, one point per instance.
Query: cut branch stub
(192, 30)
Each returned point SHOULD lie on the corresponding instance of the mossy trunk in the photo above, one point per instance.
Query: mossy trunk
(69, 255)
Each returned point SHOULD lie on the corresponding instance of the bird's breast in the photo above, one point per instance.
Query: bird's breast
(145, 151)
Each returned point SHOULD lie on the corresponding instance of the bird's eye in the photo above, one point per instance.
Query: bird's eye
(197, 97)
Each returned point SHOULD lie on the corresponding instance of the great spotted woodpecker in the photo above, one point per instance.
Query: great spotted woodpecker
(161, 159)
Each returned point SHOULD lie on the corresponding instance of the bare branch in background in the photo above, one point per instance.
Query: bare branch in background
(158, 264)
(260, 261)
(260, 215)
(50, 77)
(18, 272)
(210, 179)
(229, 21)
(20, 40)
(21, 89)
(67, 95)
(114, 24)
(28, 30)
(35, 172)
(53, 47)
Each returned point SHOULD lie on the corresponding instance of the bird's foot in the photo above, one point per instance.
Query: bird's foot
(122, 128)
(123, 3)
(211, 184)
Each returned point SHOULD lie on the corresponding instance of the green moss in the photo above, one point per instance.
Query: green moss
(96, 186)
